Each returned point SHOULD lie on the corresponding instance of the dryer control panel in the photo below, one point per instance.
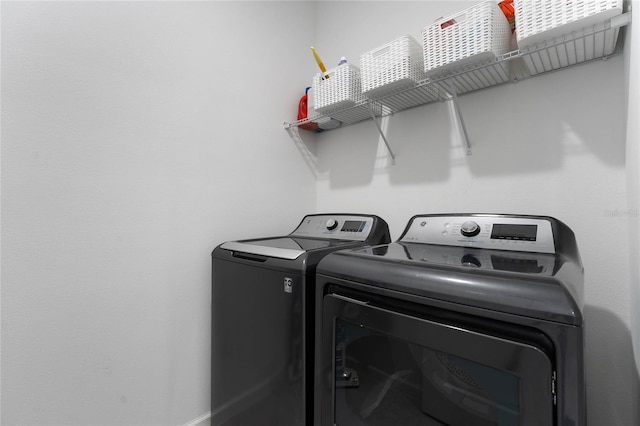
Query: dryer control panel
(499, 232)
(335, 226)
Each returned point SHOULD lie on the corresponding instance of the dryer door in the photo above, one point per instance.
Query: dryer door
(384, 367)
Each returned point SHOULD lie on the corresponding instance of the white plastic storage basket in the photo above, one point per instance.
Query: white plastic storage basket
(538, 21)
(392, 67)
(470, 37)
(341, 91)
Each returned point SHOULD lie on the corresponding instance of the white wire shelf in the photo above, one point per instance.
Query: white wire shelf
(578, 47)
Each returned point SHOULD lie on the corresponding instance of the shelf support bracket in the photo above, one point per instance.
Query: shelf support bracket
(620, 20)
(310, 158)
(384, 138)
(456, 108)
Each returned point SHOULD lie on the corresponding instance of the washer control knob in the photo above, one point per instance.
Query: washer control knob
(331, 224)
(470, 229)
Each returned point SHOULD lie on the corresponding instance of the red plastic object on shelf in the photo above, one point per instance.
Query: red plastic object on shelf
(302, 113)
(507, 8)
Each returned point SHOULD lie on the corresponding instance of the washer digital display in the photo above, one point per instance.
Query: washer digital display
(514, 232)
(353, 226)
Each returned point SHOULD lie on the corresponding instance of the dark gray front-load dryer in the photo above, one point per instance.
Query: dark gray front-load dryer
(263, 319)
(467, 320)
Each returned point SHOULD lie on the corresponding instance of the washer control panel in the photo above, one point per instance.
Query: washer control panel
(342, 227)
(499, 232)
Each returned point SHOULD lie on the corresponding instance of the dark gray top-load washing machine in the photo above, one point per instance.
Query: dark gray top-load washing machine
(263, 318)
(467, 319)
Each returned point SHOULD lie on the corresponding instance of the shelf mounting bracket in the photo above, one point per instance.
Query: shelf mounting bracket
(453, 98)
(620, 20)
(384, 138)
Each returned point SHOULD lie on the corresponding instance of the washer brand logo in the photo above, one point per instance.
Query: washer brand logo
(288, 285)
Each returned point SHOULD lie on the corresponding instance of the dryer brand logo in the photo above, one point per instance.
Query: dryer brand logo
(288, 285)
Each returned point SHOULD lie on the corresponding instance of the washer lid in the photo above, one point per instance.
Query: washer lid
(289, 248)
(317, 232)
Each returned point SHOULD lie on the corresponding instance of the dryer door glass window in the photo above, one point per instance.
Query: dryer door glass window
(390, 368)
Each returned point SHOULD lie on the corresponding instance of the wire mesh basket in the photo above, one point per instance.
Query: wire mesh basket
(538, 21)
(550, 33)
(392, 67)
(473, 36)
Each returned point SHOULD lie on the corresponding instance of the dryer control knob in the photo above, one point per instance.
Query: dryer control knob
(331, 224)
(470, 229)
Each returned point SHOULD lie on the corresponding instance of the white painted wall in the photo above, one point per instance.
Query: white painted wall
(632, 63)
(136, 136)
(553, 145)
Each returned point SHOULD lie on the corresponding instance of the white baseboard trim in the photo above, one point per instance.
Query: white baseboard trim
(203, 420)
